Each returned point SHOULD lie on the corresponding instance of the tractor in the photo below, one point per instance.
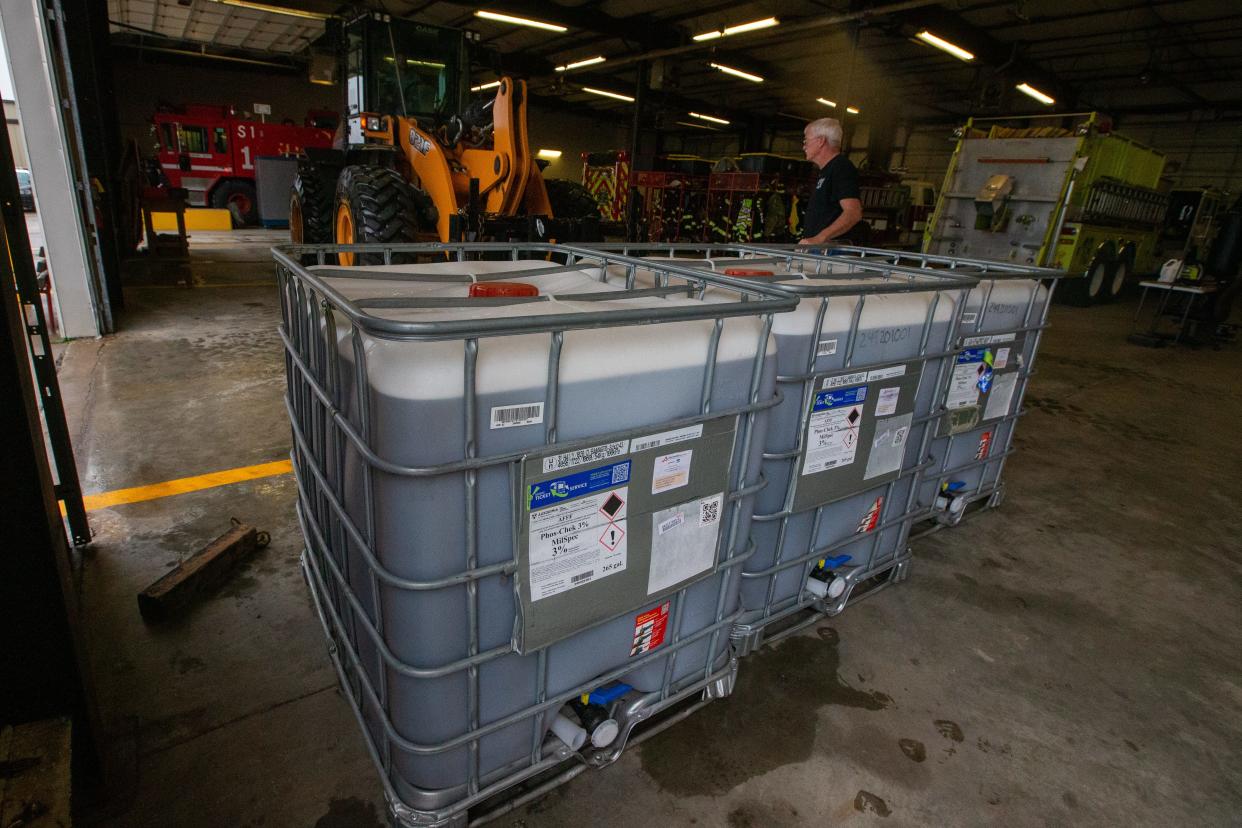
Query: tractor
(421, 158)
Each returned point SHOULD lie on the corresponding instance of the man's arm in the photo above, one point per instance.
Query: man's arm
(851, 214)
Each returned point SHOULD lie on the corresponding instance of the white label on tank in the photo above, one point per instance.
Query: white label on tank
(508, 416)
(574, 543)
(594, 454)
(886, 373)
(1001, 396)
(665, 438)
(827, 347)
(888, 445)
(1002, 358)
(887, 403)
(832, 437)
(843, 380)
(969, 317)
(671, 471)
(686, 547)
(963, 391)
(990, 339)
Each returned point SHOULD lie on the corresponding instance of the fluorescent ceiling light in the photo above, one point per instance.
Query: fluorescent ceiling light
(1027, 89)
(483, 86)
(740, 28)
(550, 154)
(729, 70)
(944, 45)
(577, 64)
(765, 23)
(711, 118)
(827, 102)
(853, 110)
(520, 21)
(264, 7)
(607, 94)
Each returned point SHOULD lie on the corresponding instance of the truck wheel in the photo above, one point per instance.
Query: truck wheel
(570, 200)
(1121, 270)
(310, 204)
(238, 198)
(1092, 286)
(375, 205)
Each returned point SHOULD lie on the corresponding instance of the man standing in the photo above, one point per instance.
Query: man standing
(836, 204)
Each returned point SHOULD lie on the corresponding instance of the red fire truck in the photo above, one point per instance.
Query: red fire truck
(211, 152)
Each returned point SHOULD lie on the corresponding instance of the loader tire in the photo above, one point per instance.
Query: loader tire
(310, 204)
(570, 200)
(375, 205)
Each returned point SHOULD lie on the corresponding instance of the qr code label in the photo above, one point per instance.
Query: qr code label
(709, 509)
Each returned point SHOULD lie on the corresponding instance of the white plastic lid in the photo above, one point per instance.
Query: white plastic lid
(605, 733)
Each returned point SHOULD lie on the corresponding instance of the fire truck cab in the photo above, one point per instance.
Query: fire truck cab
(211, 153)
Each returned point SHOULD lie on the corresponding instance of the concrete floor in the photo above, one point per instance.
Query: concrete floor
(1072, 657)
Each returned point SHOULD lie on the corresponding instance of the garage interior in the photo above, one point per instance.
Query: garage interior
(1067, 654)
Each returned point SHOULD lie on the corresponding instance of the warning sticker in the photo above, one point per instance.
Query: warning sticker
(826, 347)
(680, 548)
(872, 518)
(1001, 396)
(1002, 358)
(832, 438)
(649, 630)
(671, 471)
(887, 402)
(577, 529)
(963, 386)
(985, 445)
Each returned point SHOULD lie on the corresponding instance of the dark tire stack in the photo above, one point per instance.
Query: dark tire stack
(570, 200)
(385, 208)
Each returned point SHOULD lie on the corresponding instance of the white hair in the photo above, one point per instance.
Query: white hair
(827, 128)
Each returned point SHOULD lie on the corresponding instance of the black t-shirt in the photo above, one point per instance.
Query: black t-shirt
(837, 180)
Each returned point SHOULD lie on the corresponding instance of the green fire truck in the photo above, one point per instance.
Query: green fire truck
(1079, 198)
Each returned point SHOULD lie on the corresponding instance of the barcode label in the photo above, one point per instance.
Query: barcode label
(594, 454)
(508, 416)
(582, 576)
(843, 380)
(664, 438)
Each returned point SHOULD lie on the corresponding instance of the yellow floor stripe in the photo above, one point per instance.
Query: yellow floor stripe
(182, 485)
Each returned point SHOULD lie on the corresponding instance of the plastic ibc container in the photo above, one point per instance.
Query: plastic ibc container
(526, 498)
(861, 362)
(1001, 324)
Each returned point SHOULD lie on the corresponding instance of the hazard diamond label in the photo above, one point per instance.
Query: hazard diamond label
(612, 536)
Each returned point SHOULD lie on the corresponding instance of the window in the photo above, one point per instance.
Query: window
(222, 140)
(192, 138)
(170, 137)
